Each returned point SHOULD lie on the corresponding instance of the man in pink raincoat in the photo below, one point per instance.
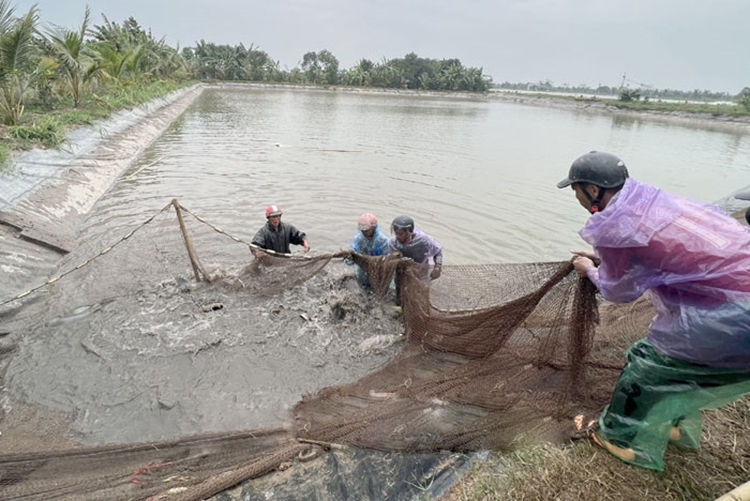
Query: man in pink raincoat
(694, 260)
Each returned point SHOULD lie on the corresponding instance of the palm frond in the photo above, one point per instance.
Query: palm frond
(17, 48)
(85, 24)
(6, 16)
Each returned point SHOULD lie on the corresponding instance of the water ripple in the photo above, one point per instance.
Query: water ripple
(480, 177)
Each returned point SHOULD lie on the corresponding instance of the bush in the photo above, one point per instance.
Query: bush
(4, 155)
(628, 95)
(744, 98)
(47, 134)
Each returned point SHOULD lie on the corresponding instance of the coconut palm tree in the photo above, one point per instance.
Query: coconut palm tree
(6, 17)
(111, 60)
(67, 47)
(169, 63)
(18, 60)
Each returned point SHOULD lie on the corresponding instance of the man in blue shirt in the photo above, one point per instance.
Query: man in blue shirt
(369, 241)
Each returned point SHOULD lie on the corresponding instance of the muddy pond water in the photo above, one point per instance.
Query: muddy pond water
(132, 350)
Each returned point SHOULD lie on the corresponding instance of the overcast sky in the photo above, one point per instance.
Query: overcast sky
(679, 44)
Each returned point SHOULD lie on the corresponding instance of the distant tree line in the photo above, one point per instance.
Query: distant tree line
(627, 93)
(744, 98)
(226, 62)
(57, 65)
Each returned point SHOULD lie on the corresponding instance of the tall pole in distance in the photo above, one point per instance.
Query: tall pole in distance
(183, 229)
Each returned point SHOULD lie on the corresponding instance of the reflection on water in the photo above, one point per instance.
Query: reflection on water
(479, 176)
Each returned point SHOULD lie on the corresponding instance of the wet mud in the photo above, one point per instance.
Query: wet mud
(183, 357)
(44, 197)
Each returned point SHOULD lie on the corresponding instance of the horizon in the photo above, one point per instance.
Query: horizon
(569, 42)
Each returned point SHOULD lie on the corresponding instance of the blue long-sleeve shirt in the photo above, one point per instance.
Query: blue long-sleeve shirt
(375, 246)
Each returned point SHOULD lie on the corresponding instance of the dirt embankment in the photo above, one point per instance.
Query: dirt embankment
(704, 120)
(593, 105)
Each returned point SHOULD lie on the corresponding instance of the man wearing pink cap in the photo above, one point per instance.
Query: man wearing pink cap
(369, 241)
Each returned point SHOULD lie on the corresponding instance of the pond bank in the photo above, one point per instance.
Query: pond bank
(47, 193)
(707, 120)
(570, 103)
(46, 196)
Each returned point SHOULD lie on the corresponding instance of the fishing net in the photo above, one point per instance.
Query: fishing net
(496, 357)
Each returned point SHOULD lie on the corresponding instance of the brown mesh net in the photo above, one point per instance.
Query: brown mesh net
(270, 275)
(497, 356)
(467, 379)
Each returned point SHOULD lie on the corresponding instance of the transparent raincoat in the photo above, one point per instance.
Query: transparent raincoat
(375, 246)
(695, 261)
(422, 248)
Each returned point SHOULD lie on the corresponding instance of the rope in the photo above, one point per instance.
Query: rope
(254, 469)
(340, 254)
(252, 246)
(85, 263)
(239, 240)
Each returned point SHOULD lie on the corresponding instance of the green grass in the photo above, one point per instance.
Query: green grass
(46, 133)
(4, 155)
(651, 105)
(583, 472)
(46, 126)
(126, 96)
(697, 108)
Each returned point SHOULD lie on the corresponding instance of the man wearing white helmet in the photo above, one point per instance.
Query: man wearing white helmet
(277, 236)
(369, 241)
